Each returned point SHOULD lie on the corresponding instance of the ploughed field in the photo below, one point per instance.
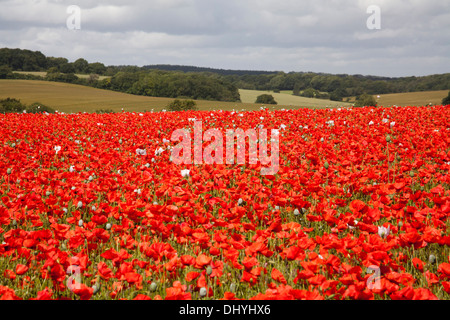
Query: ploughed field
(92, 207)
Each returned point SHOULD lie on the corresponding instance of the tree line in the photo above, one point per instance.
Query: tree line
(208, 83)
(336, 87)
(172, 84)
(127, 79)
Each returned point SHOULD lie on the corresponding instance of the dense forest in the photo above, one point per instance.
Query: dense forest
(208, 83)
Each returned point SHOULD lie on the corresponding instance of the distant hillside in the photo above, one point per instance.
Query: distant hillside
(209, 83)
(67, 97)
(225, 72)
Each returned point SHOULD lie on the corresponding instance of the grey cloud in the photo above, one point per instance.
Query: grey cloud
(326, 36)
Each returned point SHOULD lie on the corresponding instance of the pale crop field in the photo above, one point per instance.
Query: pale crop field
(413, 98)
(70, 98)
(286, 99)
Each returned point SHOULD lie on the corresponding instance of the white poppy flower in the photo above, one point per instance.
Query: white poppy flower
(141, 152)
(383, 231)
(57, 149)
(185, 173)
(159, 151)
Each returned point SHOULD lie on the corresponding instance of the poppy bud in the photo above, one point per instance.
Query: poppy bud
(240, 201)
(153, 287)
(232, 287)
(80, 223)
(79, 204)
(8, 171)
(209, 270)
(411, 174)
(296, 212)
(432, 259)
(388, 138)
(326, 165)
(96, 288)
(108, 226)
(202, 292)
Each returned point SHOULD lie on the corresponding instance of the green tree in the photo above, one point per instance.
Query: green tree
(5, 72)
(52, 70)
(67, 68)
(11, 105)
(56, 62)
(446, 100)
(365, 100)
(337, 95)
(81, 65)
(180, 105)
(97, 68)
(39, 108)
(309, 93)
(265, 99)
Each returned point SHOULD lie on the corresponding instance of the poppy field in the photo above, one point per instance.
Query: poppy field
(92, 207)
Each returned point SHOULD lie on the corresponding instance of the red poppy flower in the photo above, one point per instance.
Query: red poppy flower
(278, 276)
(83, 291)
(444, 269)
(202, 260)
(418, 264)
(21, 269)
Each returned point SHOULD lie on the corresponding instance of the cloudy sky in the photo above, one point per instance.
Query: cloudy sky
(329, 36)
